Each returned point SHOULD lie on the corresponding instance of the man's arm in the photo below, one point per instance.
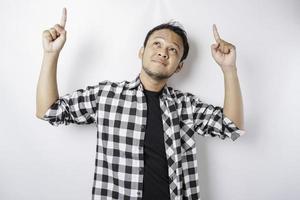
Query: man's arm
(224, 53)
(53, 41)
(233, 104)
(47, 92)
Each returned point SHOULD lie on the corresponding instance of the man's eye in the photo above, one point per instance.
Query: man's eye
(173, 50)
(156, 43)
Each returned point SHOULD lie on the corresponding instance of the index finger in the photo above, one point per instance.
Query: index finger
(216, 34)
(63, 18)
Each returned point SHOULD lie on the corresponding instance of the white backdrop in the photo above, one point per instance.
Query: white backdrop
(40, 161)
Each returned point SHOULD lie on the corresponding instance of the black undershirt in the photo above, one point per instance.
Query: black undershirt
(156, 179)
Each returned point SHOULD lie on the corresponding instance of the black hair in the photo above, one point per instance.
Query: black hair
(176, 29)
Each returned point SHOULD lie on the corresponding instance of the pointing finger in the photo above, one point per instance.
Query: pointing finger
(59, 29)
(216, 34)
(63, 18)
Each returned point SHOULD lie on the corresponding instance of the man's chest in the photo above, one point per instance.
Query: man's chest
(122, 117)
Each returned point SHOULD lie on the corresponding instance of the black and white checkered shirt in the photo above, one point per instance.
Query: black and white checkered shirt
(119, 111)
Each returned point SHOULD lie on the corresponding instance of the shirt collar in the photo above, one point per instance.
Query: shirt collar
(136, 83)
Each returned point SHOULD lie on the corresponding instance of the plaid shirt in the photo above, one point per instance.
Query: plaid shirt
(119, 111)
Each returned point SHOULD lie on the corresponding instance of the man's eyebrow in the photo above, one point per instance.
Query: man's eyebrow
(164, 39)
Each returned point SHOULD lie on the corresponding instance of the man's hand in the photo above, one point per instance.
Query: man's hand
(55, 38)
(223, 52)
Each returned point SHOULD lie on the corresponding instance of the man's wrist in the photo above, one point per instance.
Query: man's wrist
(51, 55)
(230, 71)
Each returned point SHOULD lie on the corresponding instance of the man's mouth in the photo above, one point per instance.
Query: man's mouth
(158, 61)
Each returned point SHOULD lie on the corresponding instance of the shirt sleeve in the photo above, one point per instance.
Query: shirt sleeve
(79, 107)
(210, 120)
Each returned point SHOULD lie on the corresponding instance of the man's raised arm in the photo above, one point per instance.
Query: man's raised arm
(53, 41)
(224, 54)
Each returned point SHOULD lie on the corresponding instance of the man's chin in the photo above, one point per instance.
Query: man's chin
(156, 75)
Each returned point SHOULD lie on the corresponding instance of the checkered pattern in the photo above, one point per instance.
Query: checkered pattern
(119, 110)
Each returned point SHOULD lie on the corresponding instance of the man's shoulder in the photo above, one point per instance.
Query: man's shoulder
(113, 83)
(180, 94)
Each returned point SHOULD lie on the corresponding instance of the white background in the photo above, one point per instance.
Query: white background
(40, 161)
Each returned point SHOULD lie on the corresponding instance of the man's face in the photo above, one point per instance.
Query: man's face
(162, 54)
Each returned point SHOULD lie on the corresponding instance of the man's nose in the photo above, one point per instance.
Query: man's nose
(163, 54)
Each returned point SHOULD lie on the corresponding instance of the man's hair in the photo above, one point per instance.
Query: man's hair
(176, 28)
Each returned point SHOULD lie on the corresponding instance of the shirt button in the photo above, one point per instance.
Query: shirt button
(139, 193)
(143, 128)
(141, 169)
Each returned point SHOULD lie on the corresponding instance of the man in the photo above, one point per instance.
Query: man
(145, 129)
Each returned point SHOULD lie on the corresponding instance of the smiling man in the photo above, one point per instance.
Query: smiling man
(145, 129)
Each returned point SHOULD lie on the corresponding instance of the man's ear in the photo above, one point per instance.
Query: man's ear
(141, 52)
(180, 65)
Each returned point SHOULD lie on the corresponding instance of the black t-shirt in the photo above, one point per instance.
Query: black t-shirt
(156, 179)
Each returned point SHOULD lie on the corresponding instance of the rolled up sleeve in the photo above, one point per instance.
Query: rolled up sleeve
(79, 107)
(210, 120)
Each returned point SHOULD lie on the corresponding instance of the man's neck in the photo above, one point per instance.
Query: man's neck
(151, 84)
